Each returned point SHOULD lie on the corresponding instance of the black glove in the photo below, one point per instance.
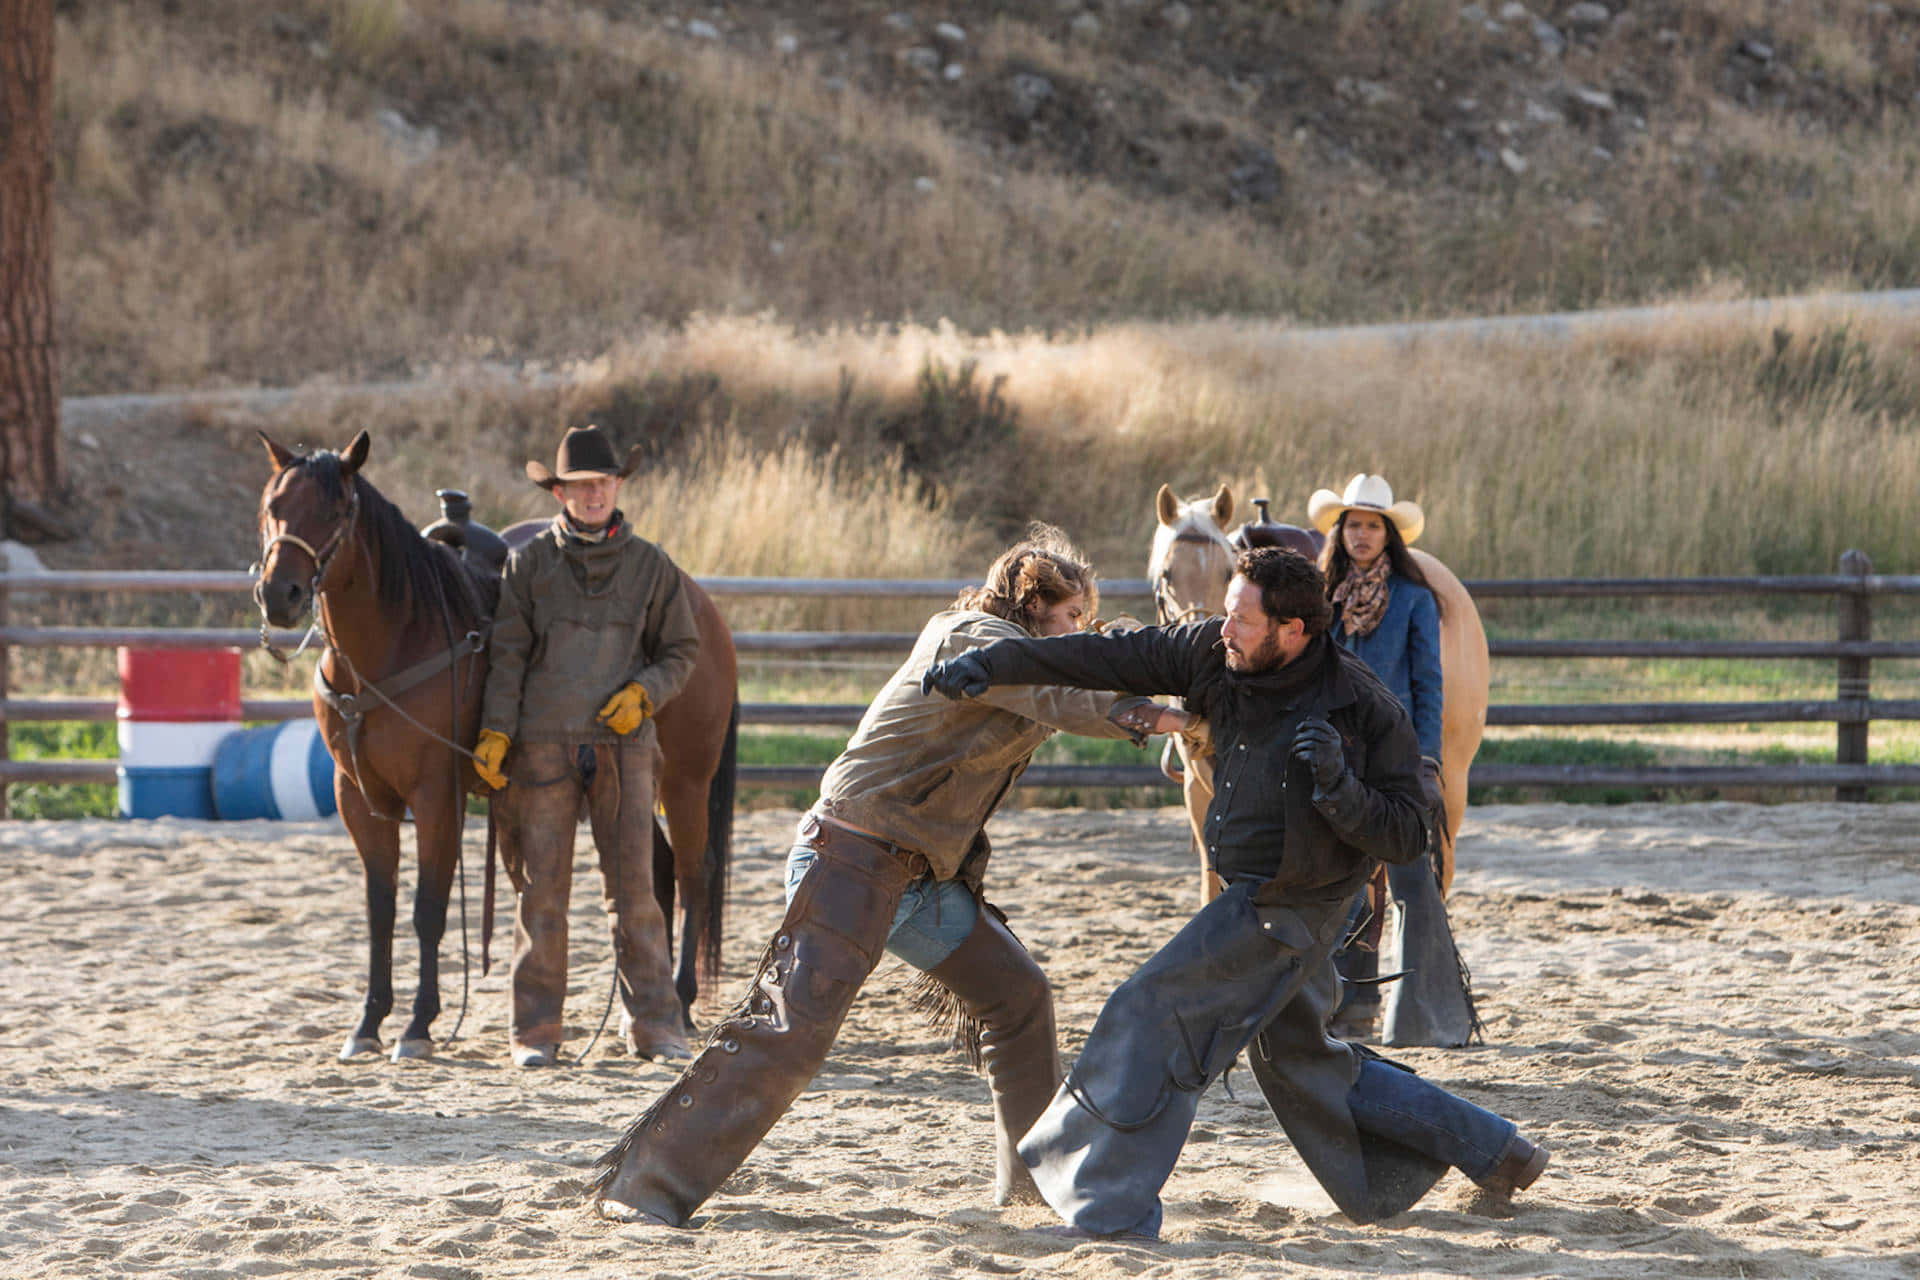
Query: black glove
(1316, 744)
(957, 678)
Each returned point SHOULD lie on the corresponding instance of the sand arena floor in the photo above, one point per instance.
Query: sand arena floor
(1708, 1011)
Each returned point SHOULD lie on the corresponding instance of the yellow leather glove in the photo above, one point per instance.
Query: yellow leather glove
(626, 710)
(488, 755)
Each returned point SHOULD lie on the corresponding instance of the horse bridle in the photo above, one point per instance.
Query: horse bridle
(322, 558)
(1166, 606)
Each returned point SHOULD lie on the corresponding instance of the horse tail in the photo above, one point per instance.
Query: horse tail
(720, 796)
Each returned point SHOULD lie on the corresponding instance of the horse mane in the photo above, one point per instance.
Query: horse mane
(415, 572)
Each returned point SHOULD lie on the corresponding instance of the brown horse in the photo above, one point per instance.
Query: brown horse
(699, 731)
(397, 695)
(1189, 567)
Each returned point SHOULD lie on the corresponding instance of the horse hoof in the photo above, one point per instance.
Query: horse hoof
(360, 1047)
(536, 1055)
(412, 1049)
(626, 1214)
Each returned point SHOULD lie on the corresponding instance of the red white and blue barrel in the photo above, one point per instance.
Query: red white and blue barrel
(282, 772)
(176, 706)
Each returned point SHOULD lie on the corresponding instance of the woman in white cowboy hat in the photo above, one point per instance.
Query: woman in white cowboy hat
(1384, 611)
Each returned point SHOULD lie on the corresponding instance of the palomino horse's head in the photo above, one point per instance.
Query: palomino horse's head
(1192, 561)
(308, 512)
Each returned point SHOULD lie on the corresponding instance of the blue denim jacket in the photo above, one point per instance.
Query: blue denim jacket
(1404, 651)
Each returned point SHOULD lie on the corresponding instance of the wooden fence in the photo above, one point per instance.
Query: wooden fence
(1850, 710)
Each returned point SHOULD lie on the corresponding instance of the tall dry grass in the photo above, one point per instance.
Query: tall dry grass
(1669, 448)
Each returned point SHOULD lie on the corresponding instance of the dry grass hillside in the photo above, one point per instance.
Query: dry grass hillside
(879, 281)
(265, 192)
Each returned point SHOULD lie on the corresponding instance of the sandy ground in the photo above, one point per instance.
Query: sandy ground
(1708, 1011)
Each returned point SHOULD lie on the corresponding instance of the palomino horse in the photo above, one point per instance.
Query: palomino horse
(1189, 568)
(699, 732)
(397, 694)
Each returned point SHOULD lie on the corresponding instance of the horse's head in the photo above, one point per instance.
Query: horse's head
(307, 515)
(1191, 562)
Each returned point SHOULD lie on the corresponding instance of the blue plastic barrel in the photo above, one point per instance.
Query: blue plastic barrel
(279, 772)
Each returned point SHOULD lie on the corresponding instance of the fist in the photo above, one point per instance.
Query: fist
(957, 678)
(1316, 744)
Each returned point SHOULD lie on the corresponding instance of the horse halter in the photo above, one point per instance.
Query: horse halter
(1166, 605)
(322, 558)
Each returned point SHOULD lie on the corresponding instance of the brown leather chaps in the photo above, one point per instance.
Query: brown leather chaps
(763, 1054)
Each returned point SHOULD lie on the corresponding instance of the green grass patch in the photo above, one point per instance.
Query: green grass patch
(63, 740)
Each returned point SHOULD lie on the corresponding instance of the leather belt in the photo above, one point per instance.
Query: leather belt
(825, 833)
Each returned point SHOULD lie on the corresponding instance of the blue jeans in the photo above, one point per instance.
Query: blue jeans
(934, 918)
(1399, 1105)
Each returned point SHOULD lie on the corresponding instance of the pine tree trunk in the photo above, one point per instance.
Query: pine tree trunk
(31, 467)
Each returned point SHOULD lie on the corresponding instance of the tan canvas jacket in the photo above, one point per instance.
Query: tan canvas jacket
(927, 773)
(576, 622)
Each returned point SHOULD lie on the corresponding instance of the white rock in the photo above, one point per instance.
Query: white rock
(1597, 101)
(414, 144)
(1538, 114)
(1588, 16)
(1548, 36)
(788, 45)
(950, 33)
(899, 21)
(953, 71)
(1514, 11)
(1085, 28)
(700, 29)
(1515, 162)
(924, 185)
(1177, 16)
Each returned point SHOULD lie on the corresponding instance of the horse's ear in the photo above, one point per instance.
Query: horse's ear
(1166, 506)
(356, 454)
(282, 456)
(1223, 506)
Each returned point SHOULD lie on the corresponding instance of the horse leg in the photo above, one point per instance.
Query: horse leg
(685, 802)
(438, 815)
(378, 843)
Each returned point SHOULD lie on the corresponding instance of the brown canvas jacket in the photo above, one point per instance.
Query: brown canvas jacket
(927, 773)
(577, 622)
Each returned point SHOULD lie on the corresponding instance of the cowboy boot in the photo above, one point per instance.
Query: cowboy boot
(759, 1058)
(1003, 993)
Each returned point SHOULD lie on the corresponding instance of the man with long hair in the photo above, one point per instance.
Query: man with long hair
(1317, 777)
(893, 857)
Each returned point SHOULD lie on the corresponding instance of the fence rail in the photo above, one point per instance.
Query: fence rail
(1853, 650)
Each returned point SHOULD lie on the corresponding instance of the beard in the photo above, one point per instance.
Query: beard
(1264, 657)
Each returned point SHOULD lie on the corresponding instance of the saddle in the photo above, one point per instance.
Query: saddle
(1264, 531)
(478, 545)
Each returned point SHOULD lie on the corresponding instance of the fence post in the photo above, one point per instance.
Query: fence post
(6, 686)
(1856, 623)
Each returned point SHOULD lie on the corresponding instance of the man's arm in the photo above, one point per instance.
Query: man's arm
(1151, 660)
(1384, 813)
(507, 651)
(671, 638)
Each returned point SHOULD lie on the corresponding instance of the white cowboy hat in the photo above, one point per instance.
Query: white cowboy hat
(1368, 493)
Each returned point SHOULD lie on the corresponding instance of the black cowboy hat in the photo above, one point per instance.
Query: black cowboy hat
(584, 453)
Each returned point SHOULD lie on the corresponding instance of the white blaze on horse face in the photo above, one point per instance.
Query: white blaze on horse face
(1190, 563)
(1365, 536)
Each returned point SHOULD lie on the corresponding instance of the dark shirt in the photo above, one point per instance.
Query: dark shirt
(1265, 823)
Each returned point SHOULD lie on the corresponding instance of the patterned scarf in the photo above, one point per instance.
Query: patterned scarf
(1362, 597)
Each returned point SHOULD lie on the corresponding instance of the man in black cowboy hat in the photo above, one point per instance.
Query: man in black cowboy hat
(594, 634)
